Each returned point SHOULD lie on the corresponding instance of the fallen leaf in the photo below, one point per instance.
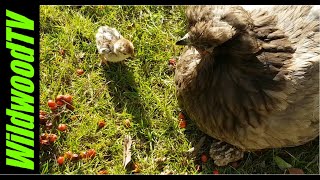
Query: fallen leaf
(281, 163)
(295, 171)
(127, 150)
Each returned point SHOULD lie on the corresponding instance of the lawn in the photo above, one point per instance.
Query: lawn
(140, 90)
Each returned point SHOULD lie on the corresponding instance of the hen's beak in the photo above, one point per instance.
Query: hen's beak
(184, 41)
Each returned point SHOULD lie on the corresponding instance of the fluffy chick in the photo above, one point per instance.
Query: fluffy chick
(112, 46)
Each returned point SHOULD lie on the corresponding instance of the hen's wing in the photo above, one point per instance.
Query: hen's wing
(291, 41)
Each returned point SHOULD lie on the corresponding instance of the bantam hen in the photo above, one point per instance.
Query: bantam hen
(112, 46)
(250, 79)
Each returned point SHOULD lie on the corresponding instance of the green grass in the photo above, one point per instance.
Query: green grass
(141, 90)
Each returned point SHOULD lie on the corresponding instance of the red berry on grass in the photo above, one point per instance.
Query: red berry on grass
(101, 124)
(215, 172)
(62, 127)
(51, 103)
(60, 160)
(91, 153)
(183, 124)
(172, 62)
(80, 71)
(68, 98)
(60, 98)
(204, 158)
(60, 103)
(52, 138)
(53, 108)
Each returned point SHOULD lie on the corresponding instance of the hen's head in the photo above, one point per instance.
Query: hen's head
(211, 26)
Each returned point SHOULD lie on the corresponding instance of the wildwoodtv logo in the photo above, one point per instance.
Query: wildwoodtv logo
(20, 136)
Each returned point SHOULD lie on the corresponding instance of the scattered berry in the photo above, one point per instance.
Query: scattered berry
(68, 98)
(59, 98)
(204, 158)
(51, 103)
(62, 127)
(52, 138)
(172, 62)
(215, 172)
(60, 103)
(80, 72)
(101, 124)
(91, 153)
(60, 160)
(183, 124)
(54, 107)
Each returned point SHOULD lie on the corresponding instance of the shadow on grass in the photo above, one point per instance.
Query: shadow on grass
(124, 92)
(125, 96)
